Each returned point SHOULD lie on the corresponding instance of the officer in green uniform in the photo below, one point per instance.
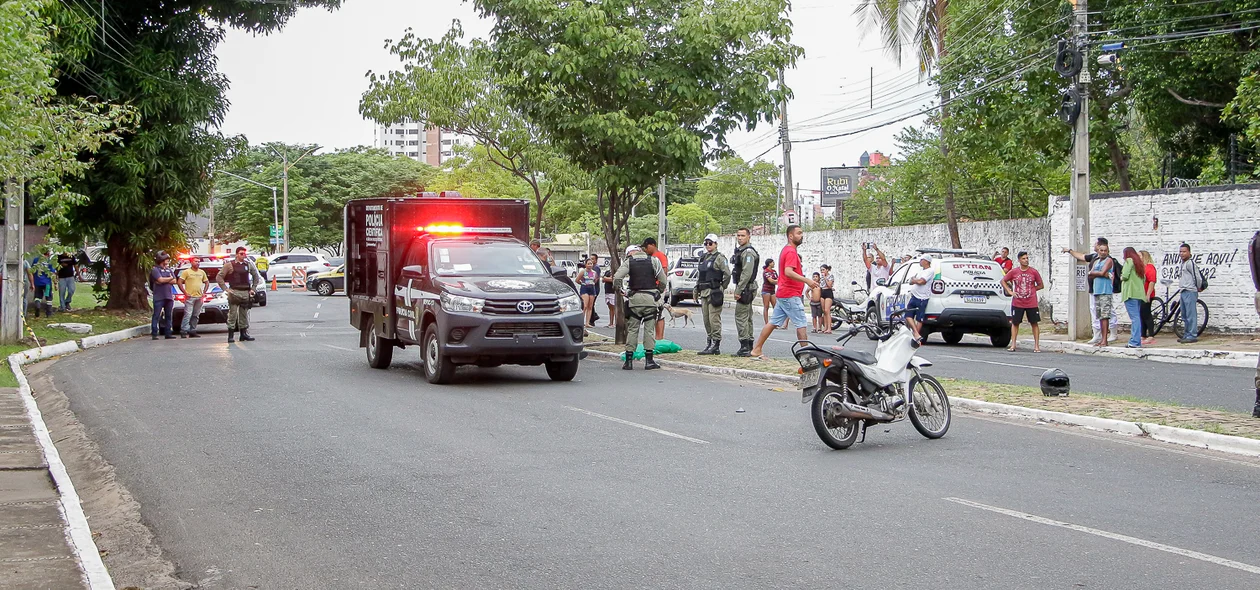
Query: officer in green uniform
(644, 273)
(711, 282)
(744, 276)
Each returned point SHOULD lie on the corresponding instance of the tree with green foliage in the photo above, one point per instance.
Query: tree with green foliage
(634, 91)
(43, 136)
(689, 223)
(158, 57)
(451, 85)
(738, 193)
(319, 187)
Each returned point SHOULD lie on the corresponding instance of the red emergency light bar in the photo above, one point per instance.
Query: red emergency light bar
(458, 229)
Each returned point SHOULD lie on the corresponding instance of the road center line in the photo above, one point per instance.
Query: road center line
(963, 358)
(1113, 536)
(341, 348)
(318, 305)
(637, 425)
(316, 316)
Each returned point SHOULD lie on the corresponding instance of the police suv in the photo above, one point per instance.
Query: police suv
(455, 277)
(967, 297)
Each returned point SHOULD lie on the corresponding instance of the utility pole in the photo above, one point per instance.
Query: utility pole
(1079, 321)
(660, 215)
(789, 199)
(285, 177)
(14, 273)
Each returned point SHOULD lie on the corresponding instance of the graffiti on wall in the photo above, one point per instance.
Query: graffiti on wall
(1209, 263)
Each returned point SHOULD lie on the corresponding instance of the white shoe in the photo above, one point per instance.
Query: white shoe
(1093, 341)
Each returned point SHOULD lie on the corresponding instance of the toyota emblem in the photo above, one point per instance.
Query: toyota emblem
(525, 306)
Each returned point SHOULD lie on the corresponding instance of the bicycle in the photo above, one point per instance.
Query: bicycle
(1169, 307)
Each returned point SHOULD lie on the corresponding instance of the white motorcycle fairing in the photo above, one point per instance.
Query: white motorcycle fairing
(894, 357)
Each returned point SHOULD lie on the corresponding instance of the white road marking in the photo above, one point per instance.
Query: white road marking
(341, 348)
(1113, 536)
(963, 358)
(302, 334)
(637, 425)
(318, 305)
(309, 326)
(316, 316)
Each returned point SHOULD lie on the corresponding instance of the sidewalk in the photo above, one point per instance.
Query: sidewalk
(34, 549)
(1225, 350)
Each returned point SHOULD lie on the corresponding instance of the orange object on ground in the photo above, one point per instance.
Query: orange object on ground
(274, 286)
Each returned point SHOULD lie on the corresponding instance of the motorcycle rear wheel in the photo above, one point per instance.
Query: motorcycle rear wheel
(930, 411)
(845, 433)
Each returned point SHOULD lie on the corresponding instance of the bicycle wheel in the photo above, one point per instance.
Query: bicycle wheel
(1158, 315)
(1168, 312)
(1179, 325)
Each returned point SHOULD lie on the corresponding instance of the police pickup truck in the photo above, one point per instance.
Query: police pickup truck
(454, 276)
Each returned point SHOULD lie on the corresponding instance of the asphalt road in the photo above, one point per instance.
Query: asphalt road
(288, 463)
(1194, 385)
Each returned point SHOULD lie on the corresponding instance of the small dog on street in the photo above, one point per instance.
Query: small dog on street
(674, 314)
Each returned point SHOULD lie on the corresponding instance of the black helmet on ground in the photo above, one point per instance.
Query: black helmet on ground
(1055, 382)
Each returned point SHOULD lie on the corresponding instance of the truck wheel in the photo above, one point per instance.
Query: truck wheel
(380, 350)
(438, 369)
(562, 371)
(324, 288)
(952, 336)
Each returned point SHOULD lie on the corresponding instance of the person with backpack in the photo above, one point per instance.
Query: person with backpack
(1191, 282)
(1104, 323)
(43, 273)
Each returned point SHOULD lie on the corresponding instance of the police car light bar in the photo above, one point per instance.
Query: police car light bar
(450, 194)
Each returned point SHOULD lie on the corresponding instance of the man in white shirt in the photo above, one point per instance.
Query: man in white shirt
(920, 291)
(877, 265)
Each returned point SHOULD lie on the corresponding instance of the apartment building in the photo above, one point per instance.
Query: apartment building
(417, 141)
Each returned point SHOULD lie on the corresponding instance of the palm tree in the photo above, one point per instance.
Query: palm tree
(920, 24)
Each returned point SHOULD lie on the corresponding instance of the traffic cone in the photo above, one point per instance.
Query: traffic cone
(274, 286)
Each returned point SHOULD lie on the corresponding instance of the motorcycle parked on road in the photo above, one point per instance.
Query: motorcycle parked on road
(852, 389)
(852, 311)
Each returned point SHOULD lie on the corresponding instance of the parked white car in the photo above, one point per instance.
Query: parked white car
(967, 297)
(281, 266)
(682, 277)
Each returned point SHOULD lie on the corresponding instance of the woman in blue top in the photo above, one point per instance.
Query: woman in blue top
(588, 288)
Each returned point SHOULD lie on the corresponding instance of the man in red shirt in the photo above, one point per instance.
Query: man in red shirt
(649, 246)
(792, 281)
(1022, 285)
(1004, 259)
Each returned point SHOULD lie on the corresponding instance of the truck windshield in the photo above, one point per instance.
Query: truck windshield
(484, 259)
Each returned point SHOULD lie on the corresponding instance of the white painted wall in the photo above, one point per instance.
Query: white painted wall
(1217, 222)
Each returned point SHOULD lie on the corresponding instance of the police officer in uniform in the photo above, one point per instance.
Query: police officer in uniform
(644, 273)
(711, 282)
(744, 276)
(241, 281)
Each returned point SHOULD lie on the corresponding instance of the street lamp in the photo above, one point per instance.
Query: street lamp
(274, 214)
(285, 175)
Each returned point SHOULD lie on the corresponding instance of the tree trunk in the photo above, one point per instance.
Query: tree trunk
(951, 208)
(610, 217)
(1119, 162)
(127, 281)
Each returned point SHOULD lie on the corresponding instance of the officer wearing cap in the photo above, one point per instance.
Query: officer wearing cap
(644, 274)
(714, 274)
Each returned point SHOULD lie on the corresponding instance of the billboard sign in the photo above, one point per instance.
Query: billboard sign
(838, 184)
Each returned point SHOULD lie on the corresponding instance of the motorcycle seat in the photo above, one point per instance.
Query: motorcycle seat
(848, 301)
(857, 356)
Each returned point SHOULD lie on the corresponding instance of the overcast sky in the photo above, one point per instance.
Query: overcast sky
(302, 85)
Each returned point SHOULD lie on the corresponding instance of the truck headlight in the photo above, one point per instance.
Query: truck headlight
(457, 303)
(570, 303)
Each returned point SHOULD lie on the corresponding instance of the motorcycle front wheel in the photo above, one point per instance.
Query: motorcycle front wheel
(930, 411)
(836, 431)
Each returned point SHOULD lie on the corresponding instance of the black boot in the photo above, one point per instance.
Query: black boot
(713, 348)
(745, 348)
(245, 337)
(231, 334)
(629, 364)
(193, 334)
(708, 347)
(650, 364)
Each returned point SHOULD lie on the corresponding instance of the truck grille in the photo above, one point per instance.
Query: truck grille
(510, 329)
(509, 307)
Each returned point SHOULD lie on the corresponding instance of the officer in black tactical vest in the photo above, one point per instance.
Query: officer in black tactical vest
(711, 283)
(645, 274)
(744, 276)
(239, 279)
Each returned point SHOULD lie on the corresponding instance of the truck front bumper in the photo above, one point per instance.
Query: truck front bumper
(468, 338)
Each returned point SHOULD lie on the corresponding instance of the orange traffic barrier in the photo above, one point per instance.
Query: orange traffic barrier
(274, 286)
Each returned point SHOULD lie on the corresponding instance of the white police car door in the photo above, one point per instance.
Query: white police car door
(898, 292)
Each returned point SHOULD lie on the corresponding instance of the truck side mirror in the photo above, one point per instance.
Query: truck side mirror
(560, 273)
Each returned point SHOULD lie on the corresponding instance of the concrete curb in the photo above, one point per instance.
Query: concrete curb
(1237, 445)
(1217, 358)
(78, 532)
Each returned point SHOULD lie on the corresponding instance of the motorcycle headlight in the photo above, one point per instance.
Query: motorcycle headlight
(466, 304)
(570, 303)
